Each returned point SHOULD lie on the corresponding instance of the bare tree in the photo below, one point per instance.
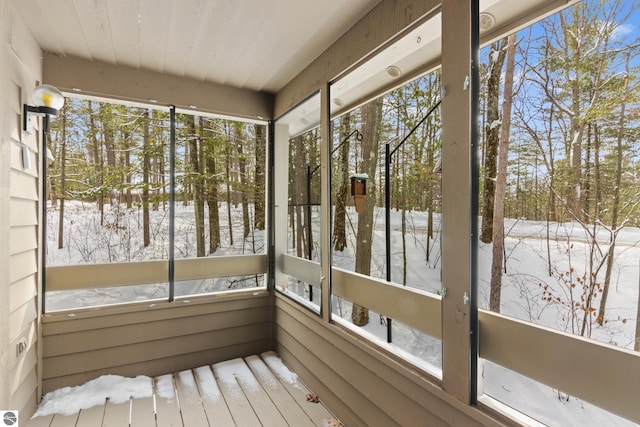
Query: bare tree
(371, 124)
(492, 135)
(339, 226)
(501, 180)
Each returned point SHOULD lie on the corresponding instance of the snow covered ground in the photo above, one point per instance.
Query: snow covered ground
(528, 261)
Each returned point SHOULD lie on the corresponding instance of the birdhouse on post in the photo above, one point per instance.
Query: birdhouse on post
(359, 189)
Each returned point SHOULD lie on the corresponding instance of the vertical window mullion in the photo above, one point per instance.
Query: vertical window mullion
(172, 208)
(459, 200)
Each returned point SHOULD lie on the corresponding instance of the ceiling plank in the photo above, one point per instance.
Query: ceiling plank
(154, 33)
(66, 25)
(125, 21)
(94, 19)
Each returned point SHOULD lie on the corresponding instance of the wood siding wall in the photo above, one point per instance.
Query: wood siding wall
(362, 384)
(154, 338)
(20, 57)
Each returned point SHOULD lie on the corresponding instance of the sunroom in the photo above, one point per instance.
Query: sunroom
(426, 210)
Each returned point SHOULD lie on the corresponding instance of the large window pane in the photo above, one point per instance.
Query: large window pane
(220, 196)
(559, 241)
(109, 198)
(298, 140)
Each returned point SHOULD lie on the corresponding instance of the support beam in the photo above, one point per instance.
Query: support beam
(378, 28)
(459, 203)
(325, 202)
(123, 83)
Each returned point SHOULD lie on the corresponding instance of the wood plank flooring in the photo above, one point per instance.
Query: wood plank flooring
(254, 391)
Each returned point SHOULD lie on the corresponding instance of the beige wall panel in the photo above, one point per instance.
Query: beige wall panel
(166, 365)
(22, 291)
(23, 265)
(26, 364)
(20, 318)
(17, 163)
(304, 337)
(81, 341)
(24, 45)
(23, 186)
(25, 396)
(158, 349)
(23, 239)
(129, 84)
(14, 118)
(86, 320)
(378, 27)
(323, 382)
(28, 336)
(20, 66)
(23, 212)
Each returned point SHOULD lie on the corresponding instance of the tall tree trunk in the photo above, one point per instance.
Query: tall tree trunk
(127, 167)
(109, 144)
(492, 132)
(371, 123)
(501, 180)
(259, 192)
(615, 211)
(97, 157)
(196, 174)
(212, 195)
(301, 196)
(242, 166)
(339, 225)
(228, 153)
(146, 165)
(63, 176)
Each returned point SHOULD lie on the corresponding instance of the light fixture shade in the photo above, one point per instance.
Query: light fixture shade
(48, 96)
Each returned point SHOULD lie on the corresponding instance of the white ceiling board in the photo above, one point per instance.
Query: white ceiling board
(154, 38)
(126, 23)
(95, 15)
(66, 25)
(257, 45)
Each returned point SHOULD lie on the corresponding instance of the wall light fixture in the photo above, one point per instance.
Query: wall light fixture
(48, 100)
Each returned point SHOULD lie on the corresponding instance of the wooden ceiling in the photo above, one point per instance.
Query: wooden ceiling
(258, 45)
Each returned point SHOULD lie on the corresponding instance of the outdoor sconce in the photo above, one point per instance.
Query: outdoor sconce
(48, 100)
(359, 189)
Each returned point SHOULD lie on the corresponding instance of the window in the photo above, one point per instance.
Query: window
(567, 196)
(109, 202)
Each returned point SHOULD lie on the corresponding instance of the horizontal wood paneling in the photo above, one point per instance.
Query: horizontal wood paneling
(22, 291)
(23, 186)
(138, 340)
(514, 344)
(22, 265)
(21, 370)
(24, 397)
(90, 319)
(28, 334)
(20, 318)
(17, 159)
(23, 239)
(412, 307)
(64, 278)
(364, 385)
(89, 340)
(23, 212)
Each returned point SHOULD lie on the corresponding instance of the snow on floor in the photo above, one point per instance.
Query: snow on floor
(70, 400)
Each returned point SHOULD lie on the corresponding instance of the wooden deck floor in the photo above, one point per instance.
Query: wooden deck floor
(255, 391)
